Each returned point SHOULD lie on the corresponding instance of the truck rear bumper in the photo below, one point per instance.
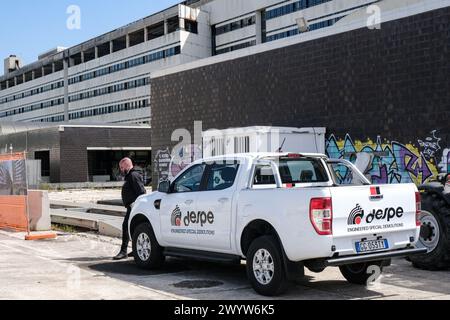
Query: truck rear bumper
(335, 262)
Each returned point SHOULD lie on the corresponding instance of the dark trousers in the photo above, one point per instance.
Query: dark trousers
(125, 236)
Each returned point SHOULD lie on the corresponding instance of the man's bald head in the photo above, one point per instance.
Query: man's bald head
(126, 165)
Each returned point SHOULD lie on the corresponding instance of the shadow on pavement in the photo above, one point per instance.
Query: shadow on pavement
(129, 268)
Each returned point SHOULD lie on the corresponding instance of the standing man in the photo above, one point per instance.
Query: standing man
(131, 190)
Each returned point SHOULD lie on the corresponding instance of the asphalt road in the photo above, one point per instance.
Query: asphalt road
(80, 267)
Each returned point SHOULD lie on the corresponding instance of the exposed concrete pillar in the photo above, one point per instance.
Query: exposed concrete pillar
(7, 84)
(33, 75)
(145, 34)
(43, 71)
(53, 67)
(127, 40)
(66, 89)
(96, 52)
(258, 27)
(24, 78)
(15, 81)
(111, 47)
(82, 56)
(166, 27)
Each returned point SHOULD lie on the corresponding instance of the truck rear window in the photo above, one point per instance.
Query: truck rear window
(302, 171)
(292, 171)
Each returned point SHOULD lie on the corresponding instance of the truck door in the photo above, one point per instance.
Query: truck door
(178, 228)
(215, 206)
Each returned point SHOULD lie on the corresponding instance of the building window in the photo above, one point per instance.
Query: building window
(236, 25)
(293, 32)
(109, 109)
(236, 47)
(173, 24)
(191, 26)
(292, 7)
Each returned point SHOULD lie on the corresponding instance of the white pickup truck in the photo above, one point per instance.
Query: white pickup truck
(280, 213)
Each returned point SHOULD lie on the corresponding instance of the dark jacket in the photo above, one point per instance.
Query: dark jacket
(132, 188)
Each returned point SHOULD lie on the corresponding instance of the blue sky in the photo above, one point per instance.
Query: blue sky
(29, 28)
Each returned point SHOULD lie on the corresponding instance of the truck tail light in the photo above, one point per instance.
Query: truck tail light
(418, 209)
(295, 155)
(321, 215)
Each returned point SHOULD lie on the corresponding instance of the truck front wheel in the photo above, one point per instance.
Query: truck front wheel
(362, 273)
(147, 252)
(265, 268)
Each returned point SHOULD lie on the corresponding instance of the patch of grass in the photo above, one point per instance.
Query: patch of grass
(45, 187)
(66, 229)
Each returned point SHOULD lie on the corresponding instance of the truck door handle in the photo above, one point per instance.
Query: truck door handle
(188, 202)
(224, 200)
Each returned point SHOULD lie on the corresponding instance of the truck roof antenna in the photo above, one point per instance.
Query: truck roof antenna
(280, 149)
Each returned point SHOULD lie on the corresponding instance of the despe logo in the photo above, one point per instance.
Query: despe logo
(357, 215)
(202, 218)
(176, 217)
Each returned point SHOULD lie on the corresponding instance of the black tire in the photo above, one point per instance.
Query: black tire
(439, 257)
(156, 258)
(278, 283)
(360, 273)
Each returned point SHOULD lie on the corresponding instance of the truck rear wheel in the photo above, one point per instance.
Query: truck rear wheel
(147, 252)
(362, 273)
(434, 234)
(265, 268)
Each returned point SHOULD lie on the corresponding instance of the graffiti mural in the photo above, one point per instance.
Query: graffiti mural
(162, 164)
(444, 165)
(169, 164)
(392, 162)
(430, 146)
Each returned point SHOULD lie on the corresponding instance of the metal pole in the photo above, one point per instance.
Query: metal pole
(26, 182)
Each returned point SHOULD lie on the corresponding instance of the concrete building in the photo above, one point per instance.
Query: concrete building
(381, 91)
(107, 79)
(367, 70)
(75, 153)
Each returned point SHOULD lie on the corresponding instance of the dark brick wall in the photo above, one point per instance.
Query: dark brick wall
(75, 141)
(392, 83)
(68, 148)
(37, 140)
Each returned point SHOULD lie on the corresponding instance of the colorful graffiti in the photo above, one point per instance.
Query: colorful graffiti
(444, 165)
(169, 164)
(392, 162)
(430, 146)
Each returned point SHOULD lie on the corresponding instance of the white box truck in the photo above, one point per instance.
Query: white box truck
(263, 139)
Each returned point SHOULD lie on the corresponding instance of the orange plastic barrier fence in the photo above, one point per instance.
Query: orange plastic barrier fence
(13, 213)
(13, 192)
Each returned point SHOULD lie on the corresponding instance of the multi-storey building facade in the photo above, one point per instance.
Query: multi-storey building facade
(106, 79)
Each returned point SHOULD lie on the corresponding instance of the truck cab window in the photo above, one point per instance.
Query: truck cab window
(264, 176)
(190, 181)
(221, 176)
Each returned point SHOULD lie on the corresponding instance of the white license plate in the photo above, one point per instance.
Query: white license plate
(372, 245)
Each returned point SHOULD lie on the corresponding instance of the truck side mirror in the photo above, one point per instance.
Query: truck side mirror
(164, 187)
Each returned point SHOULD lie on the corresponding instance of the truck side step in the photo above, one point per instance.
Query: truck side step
(201, 255)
